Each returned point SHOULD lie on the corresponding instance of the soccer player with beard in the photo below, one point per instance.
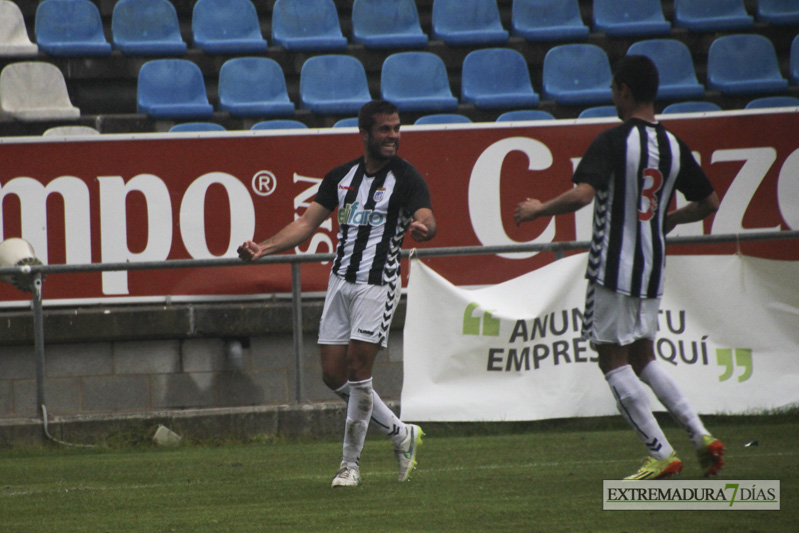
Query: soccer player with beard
(380, 197)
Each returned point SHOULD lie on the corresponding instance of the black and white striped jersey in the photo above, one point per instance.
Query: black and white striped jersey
(635, 169)
(374, 212)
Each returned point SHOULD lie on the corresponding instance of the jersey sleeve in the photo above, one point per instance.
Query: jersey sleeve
(595, 166)
(326, 196)
(418, 194)
(420, 197)
(692, 181)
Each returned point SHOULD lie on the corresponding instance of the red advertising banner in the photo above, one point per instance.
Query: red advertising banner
(118, 198)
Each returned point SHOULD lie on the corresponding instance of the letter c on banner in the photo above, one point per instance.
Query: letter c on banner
(484, 198)
(192, 214)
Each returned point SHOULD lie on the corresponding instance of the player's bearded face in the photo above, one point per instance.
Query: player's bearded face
(384, 139)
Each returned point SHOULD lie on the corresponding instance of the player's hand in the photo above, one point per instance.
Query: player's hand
(527, 210)
(418, 231)
(249, 251)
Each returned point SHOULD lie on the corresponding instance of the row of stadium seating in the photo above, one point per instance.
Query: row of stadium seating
(450, 118)
(491, 78)
(151, 27)
(438, 70)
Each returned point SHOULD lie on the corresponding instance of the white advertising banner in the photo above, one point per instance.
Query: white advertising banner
(728, 332)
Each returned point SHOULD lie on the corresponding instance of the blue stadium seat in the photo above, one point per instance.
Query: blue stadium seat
(744, 64)
(600, 111)
(675, 67)
(443, 118)
(468, 22)
(794, 61)
(630, 18)
(387, 24)
(279, 124)
(348, 122)
(711, 15)
(577, 74)
(333, 84)
(172, 88)
(227, 27)
(70, 28)
(307, 25)
(773, 101)
(548, 20)
(196, 126)
(690, 107)
(496, 78)
(253, 86)
(417, 81)
(525, 114)
(146, 28)
(780, 12)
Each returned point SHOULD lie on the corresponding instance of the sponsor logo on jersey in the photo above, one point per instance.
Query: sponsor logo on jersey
(353, 214)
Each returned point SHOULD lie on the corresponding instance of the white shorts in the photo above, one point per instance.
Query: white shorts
(614, 318)
(357, 311)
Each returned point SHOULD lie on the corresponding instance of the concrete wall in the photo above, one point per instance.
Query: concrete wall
(142, 360)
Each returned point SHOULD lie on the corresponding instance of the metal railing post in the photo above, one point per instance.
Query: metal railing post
(296, 318)
(38, 339)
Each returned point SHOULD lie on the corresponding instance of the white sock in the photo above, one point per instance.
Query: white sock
(633, 404)
(383, 419)
(359, 410)
(665, 388)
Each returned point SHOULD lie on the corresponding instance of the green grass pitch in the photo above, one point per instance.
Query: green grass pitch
(539, 477)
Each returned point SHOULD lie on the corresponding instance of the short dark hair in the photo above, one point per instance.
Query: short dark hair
(366, 116)
(640, 74)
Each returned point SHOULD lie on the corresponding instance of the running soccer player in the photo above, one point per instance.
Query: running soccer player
(632, 171)
(380, 197)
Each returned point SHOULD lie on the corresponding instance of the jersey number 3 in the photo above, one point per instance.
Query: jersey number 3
(653, 181)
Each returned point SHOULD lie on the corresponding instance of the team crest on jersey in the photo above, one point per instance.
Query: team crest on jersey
(379, 193)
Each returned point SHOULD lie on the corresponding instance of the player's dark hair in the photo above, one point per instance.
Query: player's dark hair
(366, 116)
(640, 74)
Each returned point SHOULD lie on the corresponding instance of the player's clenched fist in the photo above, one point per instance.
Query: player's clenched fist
(527, 210)
(249, 251)
(418, 231)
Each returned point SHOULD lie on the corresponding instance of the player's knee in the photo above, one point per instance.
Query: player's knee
(604, 365)
(333, 380)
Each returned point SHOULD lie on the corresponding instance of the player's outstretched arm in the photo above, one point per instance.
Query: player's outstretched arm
(567, 202)
(423, 227)
(289, 237)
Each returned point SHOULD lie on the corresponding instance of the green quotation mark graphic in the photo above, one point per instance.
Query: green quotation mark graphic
(471, 323)
(743, 358)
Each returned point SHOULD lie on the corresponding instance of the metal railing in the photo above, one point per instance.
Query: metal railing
(33, 275)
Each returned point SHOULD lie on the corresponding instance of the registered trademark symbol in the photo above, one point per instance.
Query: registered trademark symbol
(264, 183)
